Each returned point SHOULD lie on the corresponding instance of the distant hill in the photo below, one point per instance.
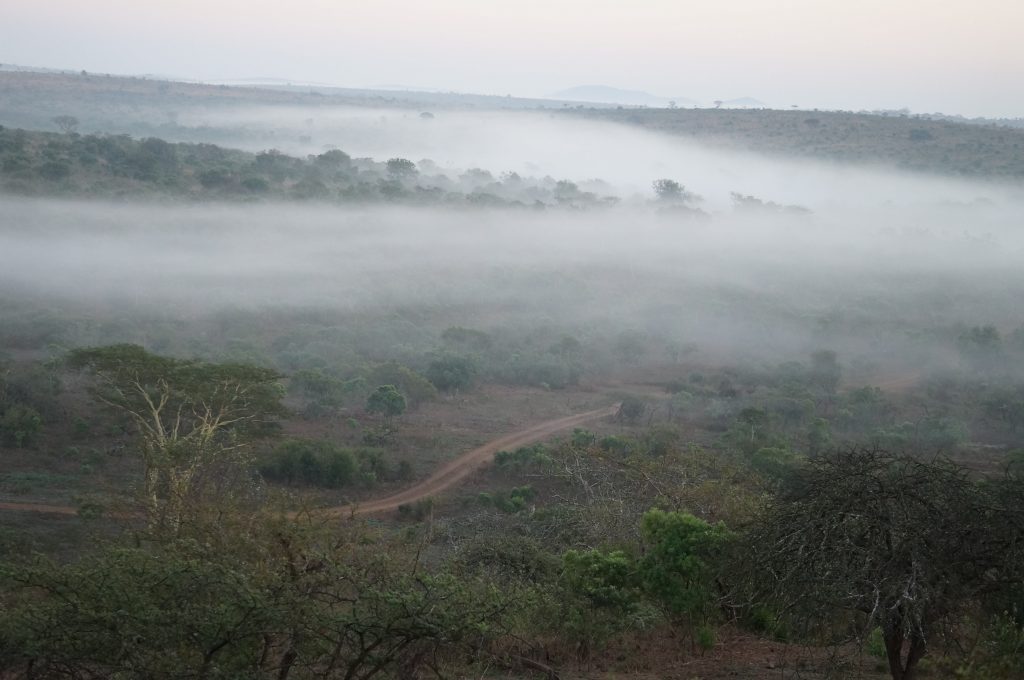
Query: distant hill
(916, 143)
(603, 94)
(144, 107)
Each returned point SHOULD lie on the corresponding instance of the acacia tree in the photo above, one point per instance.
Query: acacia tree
(67, 124)
(903, 544)
(414, 387)
(401, 168)
(669, 190)
(387, 401)
(189, 416)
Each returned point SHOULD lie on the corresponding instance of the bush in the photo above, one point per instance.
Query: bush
(1000, 652)
(20, 424)
(774, 461)
(451, 373)
(511, 502)
(311, 463)
(678, 570)
(600, 596)
(632, 410)
(387, 401)
(523, 458)
(705, 637)
(416, 388)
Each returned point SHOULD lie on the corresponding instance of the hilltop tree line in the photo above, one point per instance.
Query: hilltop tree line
(39, 163)
(115, 165)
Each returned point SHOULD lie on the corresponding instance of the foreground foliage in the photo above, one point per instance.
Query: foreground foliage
(275, 600)
(904, 544)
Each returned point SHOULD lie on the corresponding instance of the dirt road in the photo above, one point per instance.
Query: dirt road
(451, 473)
(442, 479)
(454, 471)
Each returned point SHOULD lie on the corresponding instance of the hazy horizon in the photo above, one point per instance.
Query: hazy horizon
(812, 54)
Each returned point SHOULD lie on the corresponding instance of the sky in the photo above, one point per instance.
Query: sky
(953, 56)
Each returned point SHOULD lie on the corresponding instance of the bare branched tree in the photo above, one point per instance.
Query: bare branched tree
(902, 544)
(189, 416)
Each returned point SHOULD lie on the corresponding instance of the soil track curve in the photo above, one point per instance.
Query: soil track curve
(442, 479)
(454, 471)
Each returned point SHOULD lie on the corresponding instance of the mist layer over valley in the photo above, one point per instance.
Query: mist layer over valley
(622, 158)
(884, 267)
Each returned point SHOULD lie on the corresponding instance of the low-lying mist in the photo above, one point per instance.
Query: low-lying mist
(882, 284)
(759, 258)
(623, 158)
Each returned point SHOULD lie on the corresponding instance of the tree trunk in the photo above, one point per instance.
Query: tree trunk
(898, 668)
(917, 649)
(894, 652)
(287, 661)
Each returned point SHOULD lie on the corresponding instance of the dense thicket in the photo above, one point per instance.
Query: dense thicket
(117, 166)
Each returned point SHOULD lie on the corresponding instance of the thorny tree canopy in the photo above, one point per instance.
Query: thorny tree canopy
(171, 398)
(904, 542)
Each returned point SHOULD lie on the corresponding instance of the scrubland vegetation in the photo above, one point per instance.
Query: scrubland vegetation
(211, 358)
(911, 142)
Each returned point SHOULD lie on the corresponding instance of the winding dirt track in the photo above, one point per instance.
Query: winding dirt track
(445, 477)
(452, 472)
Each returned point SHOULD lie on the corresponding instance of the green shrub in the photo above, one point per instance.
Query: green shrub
(999, 653)
(705, 637)
(774, 461)
(451, 373)
(600, 596)
(523, 458)
(510, 502)
(311, 463)
(680, 564)
(416, 388)
(20, 425)
(761, 619)
(876, 643)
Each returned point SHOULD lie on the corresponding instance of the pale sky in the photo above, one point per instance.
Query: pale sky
(954, 56)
